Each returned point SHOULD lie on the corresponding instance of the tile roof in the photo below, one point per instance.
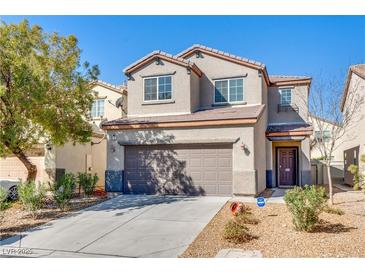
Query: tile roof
(198, 46)
(221, 113)
(115, 88)
(162, 54)
(286, 78)
(289, 128)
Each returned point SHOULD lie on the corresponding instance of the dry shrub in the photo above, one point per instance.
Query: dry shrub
(235, 230)
(333, 210)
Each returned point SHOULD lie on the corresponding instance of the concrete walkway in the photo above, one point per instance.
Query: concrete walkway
(277, 197)
(125, 226)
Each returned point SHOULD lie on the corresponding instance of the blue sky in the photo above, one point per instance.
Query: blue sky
(317, 46)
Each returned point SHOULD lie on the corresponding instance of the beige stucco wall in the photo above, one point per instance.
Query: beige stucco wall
(213, 67)
(12, 168)
(245, 175)
(299, 98)
(180, 102)
(355, 133)
(83, 158)
(316, 149)
(111, 112)
(260, 152)
(195, 92)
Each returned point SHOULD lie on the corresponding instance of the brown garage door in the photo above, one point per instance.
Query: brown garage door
(179, 169)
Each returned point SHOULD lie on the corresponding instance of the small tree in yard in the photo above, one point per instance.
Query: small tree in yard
(331, 124)
(44, 92)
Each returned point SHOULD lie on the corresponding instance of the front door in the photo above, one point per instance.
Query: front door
(287, 168)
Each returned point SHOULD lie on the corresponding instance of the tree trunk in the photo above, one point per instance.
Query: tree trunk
(31, 168)
(328, 167)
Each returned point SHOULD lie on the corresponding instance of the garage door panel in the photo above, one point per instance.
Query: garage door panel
(210, 162)
(225, 176)
(223, 189)
(224, 163)
(195, 163)
(179, 169)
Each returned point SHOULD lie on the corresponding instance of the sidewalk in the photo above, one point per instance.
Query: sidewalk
(276, 197)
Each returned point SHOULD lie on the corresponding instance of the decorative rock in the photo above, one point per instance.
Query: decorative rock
(238, 253)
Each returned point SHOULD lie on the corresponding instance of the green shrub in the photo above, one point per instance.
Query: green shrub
(305, 205)
(31, 195)
(87, 182)
(63, 190)
(3, 202)
(3, 198)
(357, 176)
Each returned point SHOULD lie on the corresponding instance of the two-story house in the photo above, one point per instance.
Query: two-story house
(353, 145)
(206, 122)
(53, 161)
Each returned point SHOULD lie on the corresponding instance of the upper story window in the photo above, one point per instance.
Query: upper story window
(228, 91)
(97, 108)
(158, 88)
(326, 135)
(285, 96)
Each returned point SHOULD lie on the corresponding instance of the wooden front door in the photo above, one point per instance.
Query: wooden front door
(287, 168)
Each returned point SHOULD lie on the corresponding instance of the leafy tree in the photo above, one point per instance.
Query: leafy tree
(44, 91)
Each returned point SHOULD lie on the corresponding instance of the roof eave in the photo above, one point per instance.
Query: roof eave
(298, 82)
(105, 85)
(261, 68)
(151, 57)
(347, 85)
(182, 124)
(289, 133)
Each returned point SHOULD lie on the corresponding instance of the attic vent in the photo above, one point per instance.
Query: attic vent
(158, 61)
(198, 54)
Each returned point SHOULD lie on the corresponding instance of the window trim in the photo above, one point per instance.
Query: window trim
(228, 86)
(97, 110)
(157, 97)
(291, 95)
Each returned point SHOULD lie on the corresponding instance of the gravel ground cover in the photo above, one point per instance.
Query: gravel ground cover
(17, 220)
(275, 236)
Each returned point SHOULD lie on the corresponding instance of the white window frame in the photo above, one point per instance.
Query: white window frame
(97, 108)
(158, 81)
(291, 96)
(228, 86)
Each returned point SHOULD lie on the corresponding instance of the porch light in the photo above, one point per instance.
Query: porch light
(114, 137)
(243, 146)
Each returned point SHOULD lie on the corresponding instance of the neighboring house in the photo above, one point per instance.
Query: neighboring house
(316, 153)
(354, 145)
(53, 161)
(319, 174)
(205, 122)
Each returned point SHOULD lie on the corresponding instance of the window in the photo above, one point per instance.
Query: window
(227, 91)
(97, 108)
(326, 135)
(285, 96)
(157, 88)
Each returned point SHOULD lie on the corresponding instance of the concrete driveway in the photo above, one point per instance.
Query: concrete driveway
(125, 226)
